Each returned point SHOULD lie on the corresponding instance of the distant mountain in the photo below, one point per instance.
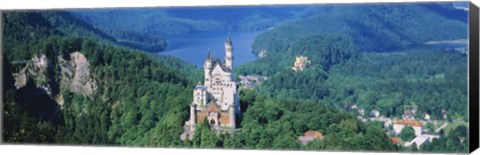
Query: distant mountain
(463, 6)
(375, 41)
(373, 27)
(44, 23)
(164, 21)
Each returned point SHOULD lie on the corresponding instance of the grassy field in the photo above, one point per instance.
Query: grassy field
(453, 125)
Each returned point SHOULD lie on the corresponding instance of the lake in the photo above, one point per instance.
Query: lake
(194, 47)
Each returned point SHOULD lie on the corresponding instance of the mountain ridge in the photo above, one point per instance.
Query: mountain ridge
(374, 27)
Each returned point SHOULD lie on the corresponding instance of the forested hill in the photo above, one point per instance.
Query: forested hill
(373, 27)
(365, 55)
(71, 89)
(162, 21)
(44, 23)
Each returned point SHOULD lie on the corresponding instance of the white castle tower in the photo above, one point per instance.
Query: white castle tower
(228, 53)
(216, 101)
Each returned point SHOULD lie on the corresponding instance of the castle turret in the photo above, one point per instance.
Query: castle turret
(228, 52)
(192, 117)
(231, 111)
(207, 67)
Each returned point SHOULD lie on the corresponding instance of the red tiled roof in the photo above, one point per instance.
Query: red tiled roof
(407, 122)
(309, 136)
(315, 134)
(395, 140)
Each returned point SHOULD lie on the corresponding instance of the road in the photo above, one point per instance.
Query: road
(440, 128)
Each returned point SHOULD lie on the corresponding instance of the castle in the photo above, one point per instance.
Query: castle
(216, 101)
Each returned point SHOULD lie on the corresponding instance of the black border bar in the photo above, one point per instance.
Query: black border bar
(473, 77)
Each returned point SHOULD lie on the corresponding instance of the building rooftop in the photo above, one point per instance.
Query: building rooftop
(408, 122)
(419, 140)
(200, 86)
(309, 136)
(229, 39)
(212, 107)
(313, 134)
(395, 140)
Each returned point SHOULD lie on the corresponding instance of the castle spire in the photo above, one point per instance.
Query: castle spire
(209, 57)
(228, 52)
(208, 62)
(229, 39)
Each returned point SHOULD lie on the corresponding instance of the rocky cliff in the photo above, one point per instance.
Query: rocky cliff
(39, 78)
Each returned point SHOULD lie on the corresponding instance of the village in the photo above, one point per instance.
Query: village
(425, 128)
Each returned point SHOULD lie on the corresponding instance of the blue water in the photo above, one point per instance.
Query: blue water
(194, 47)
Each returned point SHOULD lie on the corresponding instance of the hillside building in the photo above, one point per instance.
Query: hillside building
(400, 124)
(216, 100)
(301, 62)
(310, 136)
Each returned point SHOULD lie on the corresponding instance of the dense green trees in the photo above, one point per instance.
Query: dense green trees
(388, 82)
(135, 94)
(270, 123)
(455, 141)
(432, 78)
(36, 25)
(373, 27)
(143, 100)
(407, 133)
(322, 51)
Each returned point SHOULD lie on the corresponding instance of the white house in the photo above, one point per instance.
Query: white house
(400, 124)
(419, 140)
(427, 116)
(374, 113)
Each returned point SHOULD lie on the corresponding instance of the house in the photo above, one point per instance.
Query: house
(422, 139)
(388, 122)
(301, 62)
(408, 115)
(427, 116)
(400, 124)
(374, 113)
(409, 112)
(395, 140)
(354, 106)
(391, 132)
(310, 136)
(444, 113)
(361, 112)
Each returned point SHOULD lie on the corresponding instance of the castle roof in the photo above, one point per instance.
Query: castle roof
(200, 86)
(219, 63)
(407, 122)
(229, 39)
(209, 57)
(212, 107)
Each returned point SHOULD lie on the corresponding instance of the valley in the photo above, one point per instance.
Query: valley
(125, 76)
(194, 47)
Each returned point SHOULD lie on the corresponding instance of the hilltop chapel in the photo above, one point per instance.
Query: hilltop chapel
(216, 101)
